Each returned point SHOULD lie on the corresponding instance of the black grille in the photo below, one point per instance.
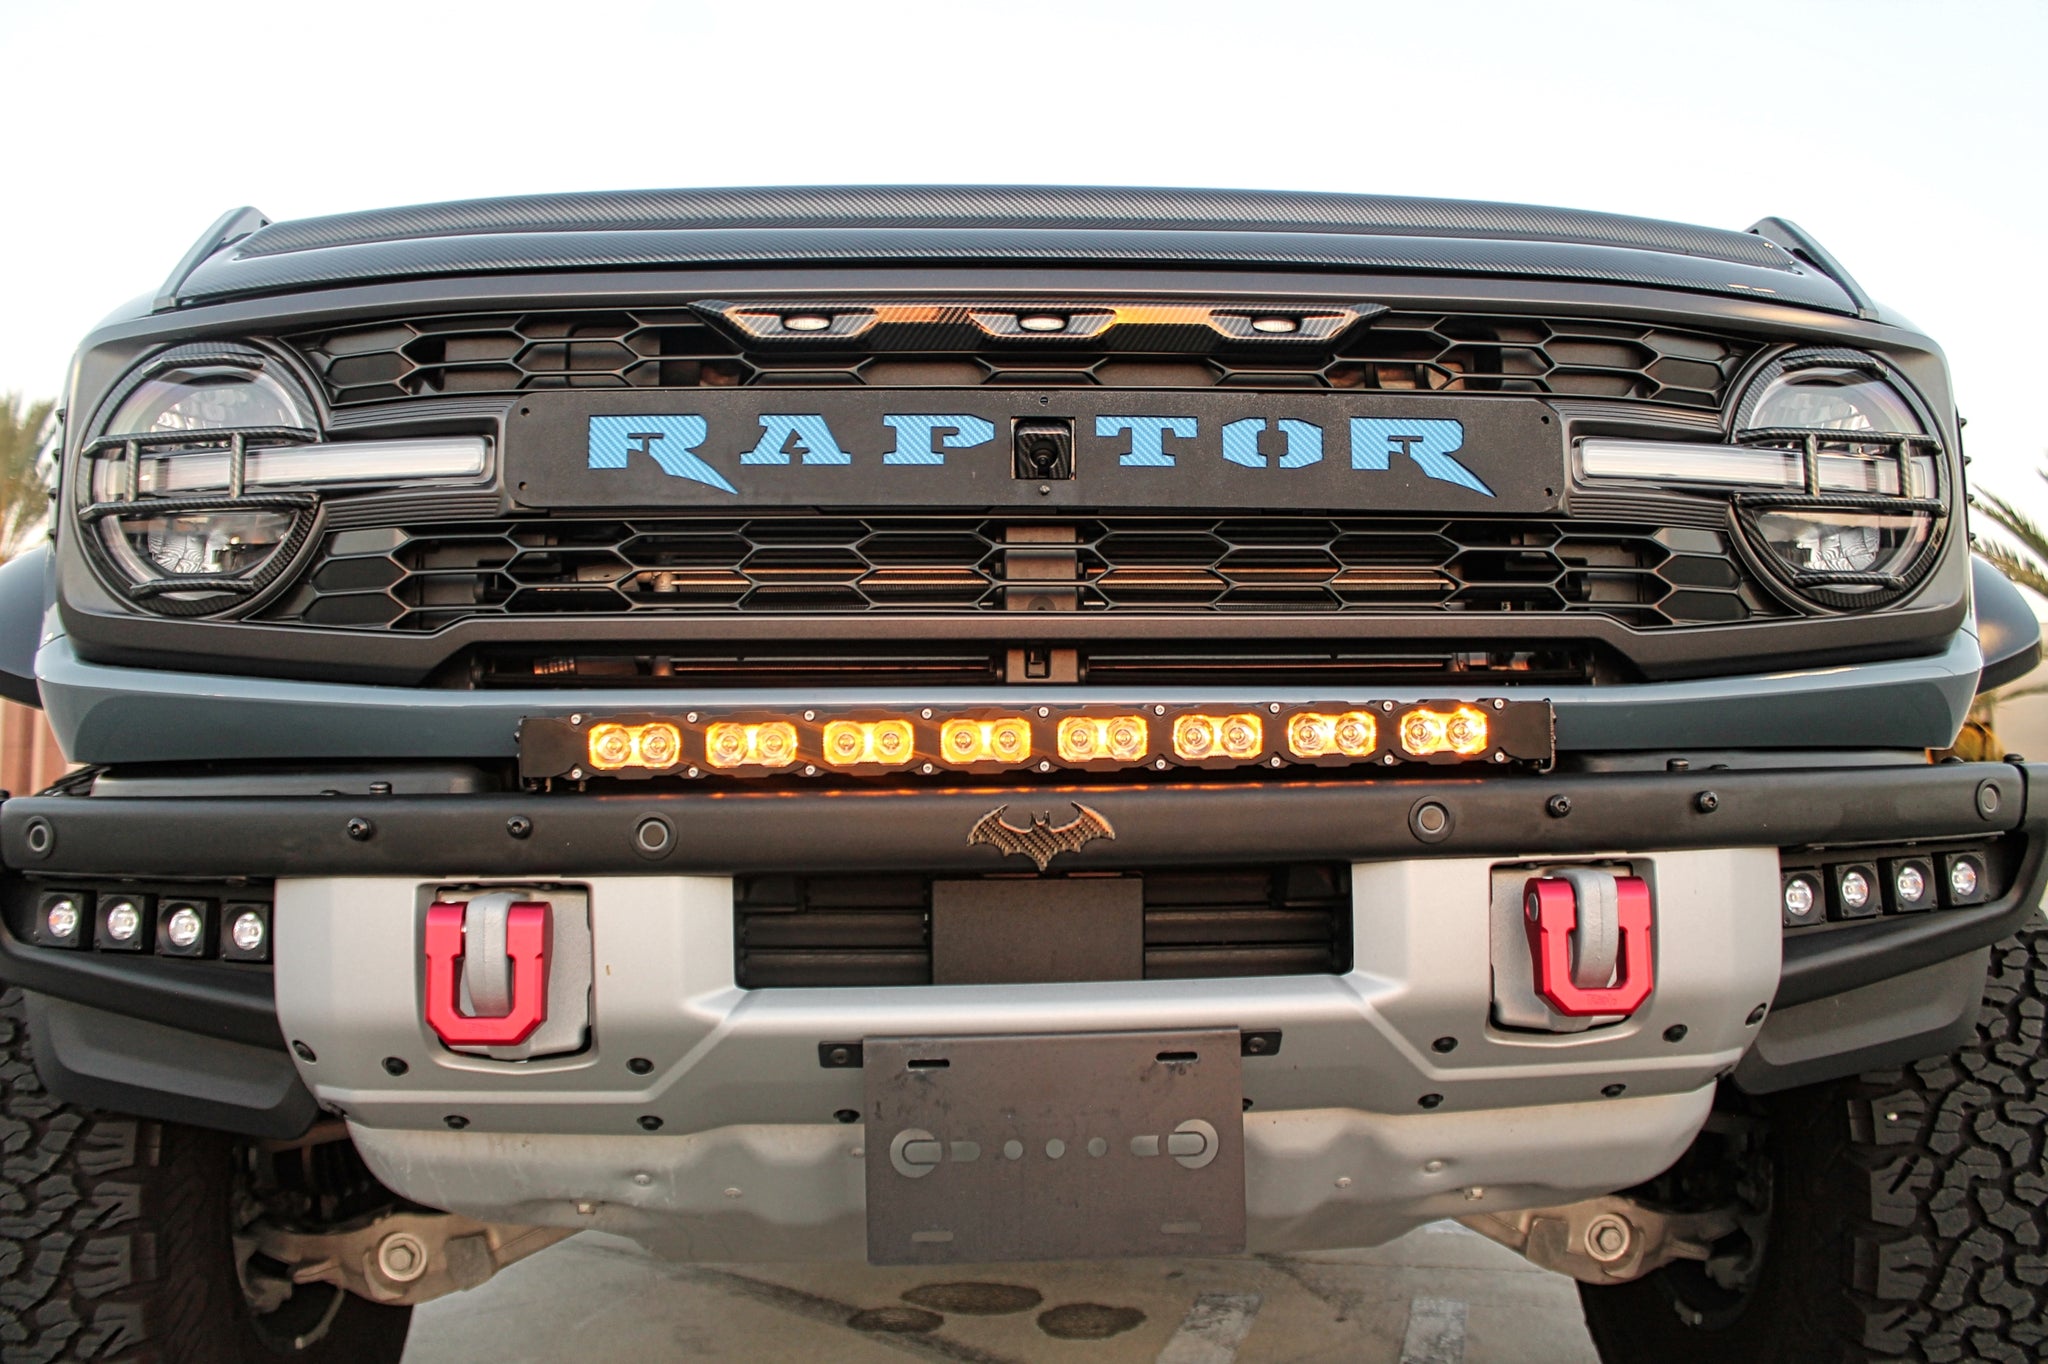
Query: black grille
(876, 930)
(1453, 353)
(424, 577)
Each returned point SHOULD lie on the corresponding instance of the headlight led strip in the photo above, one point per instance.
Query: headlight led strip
(874, 741)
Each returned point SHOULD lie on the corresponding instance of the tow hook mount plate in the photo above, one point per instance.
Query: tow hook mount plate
(1054, 1146)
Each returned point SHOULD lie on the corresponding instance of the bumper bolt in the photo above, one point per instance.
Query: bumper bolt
(1675, 1033)
(1607, 1239)
(401, 1257)
(1431, 1100)
(519, 826)
(1988, 799)
(1706, 802)
(1444, 1044)
(639, 1065)
(1612, 1091)
(847, 1115)
(1558, 806)
(304, 1053)
(395, 1066)
(650, 1122)
(1429, 821)
(1756, 1015)
(456, 1121)
(361, 830)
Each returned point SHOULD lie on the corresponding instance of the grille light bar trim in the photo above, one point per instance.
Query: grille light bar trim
(165, 472)
(866, 740)
(1747, 466)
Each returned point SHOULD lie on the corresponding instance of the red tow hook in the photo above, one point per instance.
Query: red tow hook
(1551, 911)
(526, 943)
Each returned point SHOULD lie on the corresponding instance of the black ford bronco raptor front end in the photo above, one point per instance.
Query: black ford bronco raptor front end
(961, 725)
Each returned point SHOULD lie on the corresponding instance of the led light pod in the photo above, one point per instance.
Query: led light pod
(729, 743)
(659, 745)
(1199, 738)
(65, 918)
(964, 742)
(1460, 732)
(1316, 734)
(850, 743)
(1802, 904)
(611, 747)
(245, 932)
(1115, 738)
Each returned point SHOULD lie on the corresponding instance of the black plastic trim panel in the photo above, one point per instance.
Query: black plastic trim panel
(401, 660)
(127, 1064)
(233, 1002)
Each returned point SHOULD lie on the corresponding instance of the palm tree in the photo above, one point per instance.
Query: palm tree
(2025, 562)
(24, 497)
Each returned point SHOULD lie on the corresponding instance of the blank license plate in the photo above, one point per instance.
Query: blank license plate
(1052, 1147)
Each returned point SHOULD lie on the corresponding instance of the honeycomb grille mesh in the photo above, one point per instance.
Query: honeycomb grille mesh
(425, 576)
(1420, 351)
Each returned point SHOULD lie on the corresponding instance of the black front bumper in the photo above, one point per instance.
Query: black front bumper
(746, 831)
(230, 1006)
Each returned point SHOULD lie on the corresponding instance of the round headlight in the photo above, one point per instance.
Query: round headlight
(207, 398)
(1831, 543)
(193, 553)
(1866, 528)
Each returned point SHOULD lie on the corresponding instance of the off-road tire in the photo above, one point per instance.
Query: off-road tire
(1910, 1212)
(115, 1240)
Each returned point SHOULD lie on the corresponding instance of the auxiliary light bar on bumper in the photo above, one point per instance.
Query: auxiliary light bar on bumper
(872, 741)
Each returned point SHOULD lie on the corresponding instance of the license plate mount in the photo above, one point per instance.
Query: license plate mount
(1054, 1146)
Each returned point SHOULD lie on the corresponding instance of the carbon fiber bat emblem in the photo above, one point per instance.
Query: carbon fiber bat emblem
(1044, 840)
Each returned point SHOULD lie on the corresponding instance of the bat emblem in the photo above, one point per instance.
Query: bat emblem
(1044, 840)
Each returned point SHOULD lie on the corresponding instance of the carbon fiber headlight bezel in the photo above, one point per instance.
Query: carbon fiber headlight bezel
(187, 596)
(1835, 592)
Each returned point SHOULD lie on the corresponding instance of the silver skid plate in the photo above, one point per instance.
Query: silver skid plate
(1054, 1146)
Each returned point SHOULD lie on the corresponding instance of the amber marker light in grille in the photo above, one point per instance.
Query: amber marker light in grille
(1461, 732)
(1115, 738)
(1197, 738)
(729, 743)
(985, 741)
(1314, 734)
(851, 742)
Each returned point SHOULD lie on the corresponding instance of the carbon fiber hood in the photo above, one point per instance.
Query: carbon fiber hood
(997, 224)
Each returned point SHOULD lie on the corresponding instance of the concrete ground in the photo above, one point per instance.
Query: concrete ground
(1441, 1295)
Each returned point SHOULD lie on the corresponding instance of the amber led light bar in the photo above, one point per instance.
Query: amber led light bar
(875, 741)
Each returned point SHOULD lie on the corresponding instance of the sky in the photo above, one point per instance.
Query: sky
(1908, 138)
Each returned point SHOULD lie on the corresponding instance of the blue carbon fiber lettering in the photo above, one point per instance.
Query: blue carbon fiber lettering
(668, 441)
(1148, 450)
(1241, 443)
(814, 441)
(914, 433)
(1428, 441)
